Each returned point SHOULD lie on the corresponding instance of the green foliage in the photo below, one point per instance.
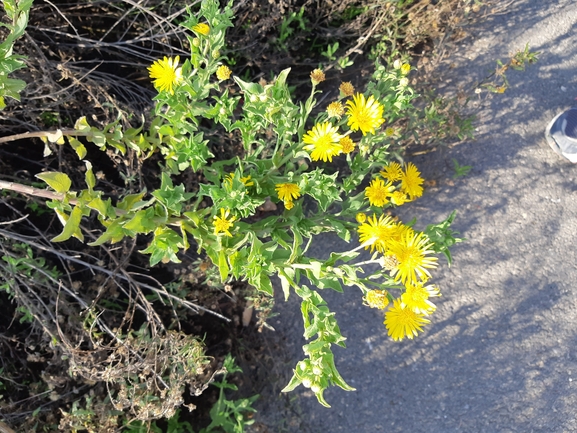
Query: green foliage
(497, 81)
(443, 237)
(281, 162)
(230, 415)
(292, 19)
(19, 268)
(460, 170)
(17, 12)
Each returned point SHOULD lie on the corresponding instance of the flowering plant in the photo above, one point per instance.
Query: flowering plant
(256, 214)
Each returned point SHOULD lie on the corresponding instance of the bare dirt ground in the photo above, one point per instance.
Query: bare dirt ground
(501, 352)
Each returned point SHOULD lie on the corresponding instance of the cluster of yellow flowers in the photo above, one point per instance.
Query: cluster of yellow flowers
(382, 191)
(406, 253)
(166, 73)
(324, 141)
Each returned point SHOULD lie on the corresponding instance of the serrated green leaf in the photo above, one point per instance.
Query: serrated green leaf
(99, 206)
(72, 227)
(113, 233)
(142, 222)
(59, 182)
(294, 382)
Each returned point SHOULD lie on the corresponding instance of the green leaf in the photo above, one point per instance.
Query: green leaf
(99, 206)
(164, 246)
(330, 283)
(114, 233)
(89, 176)
(286, 276)
(72, 227)
(59, 182)
(142, 222)
(294, 382)
(223, 266)
(78, 147)
(249, 88)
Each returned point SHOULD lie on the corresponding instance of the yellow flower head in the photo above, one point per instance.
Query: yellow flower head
(335, 109)
(399, 198)
(364, 114)
(317, 76)
(361, 217)
(166, 74)
(390, 132)
(223, 223)
(377, 233)
(378, 192)
(392, 172)
(323, 142)
(416, 297)
(201, 28)
(411, 252)
(288, 192)
(223, 72)
(405, 69)
(347, 144)
(347, 88)
(411, 181)
(377, 299)
(245, 180)
(402, 322)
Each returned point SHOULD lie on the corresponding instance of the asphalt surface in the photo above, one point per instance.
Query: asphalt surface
(501, 352)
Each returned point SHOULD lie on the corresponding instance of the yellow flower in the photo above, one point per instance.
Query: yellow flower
(223, 72)
(405, 69)
(201, 28)
(245, 180)
(402, 322)
(411, 181)
(347, 88)
(378, 192)
(323, 142)
(364, 114)
(391, 132)
(166, 74)
(416, 297)
(335, 109)
(392, 172)
(287, 192)
(361, 217)
(347, 144)
(377, 299)
(223, 223)
(317, 76)
(411, 253)
(377, 233)
(399, 198)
